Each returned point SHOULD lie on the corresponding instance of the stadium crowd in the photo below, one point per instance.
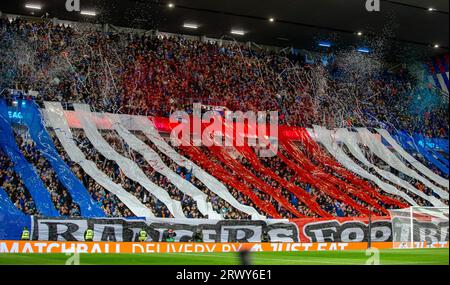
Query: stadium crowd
(110, 204)
(219, 205)
(60, 197)
(149, 75)
(126, 73)
(14, 187)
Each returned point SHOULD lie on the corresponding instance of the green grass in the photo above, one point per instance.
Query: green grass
(387, 257)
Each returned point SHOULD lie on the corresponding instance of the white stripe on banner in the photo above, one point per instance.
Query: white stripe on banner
(442, 82)
(158, 165)
(411, 160)
(214, 185)
(351, 142)
(128, 167)
(324, 136)
(55, 118)
(380, 150)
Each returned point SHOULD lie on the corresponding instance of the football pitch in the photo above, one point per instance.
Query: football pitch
(386, 257)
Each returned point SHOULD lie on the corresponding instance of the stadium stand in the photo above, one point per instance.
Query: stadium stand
(103, 155)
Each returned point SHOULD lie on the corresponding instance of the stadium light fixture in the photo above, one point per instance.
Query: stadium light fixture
(359, 33)
(363, 50)
(33, 6)
(325, 44)
(88, 13)
(190, 26)
(271, 20)
(431, 9)
(436, 46)
(238, 32)
(170, 5)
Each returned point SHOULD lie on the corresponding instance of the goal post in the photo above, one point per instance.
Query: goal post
(419, 227)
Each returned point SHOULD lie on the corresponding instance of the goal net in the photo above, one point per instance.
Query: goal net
(419, 227)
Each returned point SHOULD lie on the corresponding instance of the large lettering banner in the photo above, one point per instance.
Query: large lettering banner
(345, 229)
(122, 230)
(307, 230)
(380, 229)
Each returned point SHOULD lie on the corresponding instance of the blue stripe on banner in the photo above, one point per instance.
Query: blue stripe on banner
(24, 169)
(411, 145)
(44, 143)
(440, 157)
(444, 76)
(444, 64)
(423, 149)
(12, 220)
(432, 75)
(436, 78)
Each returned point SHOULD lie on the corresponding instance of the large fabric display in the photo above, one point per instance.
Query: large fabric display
(12, 220)
(306, 177)
(432, 145)
(251, 156)
(320, 173)
(411, 160)
(325, 182)
(324, 137)
(387, 156)
(205, 162)
(129, 167)
(45, 145)
(301, 194)
(156, 163)
(55, 118)
(25, 170)
(440, 157)
(246, 175)
(314, 175)
(214, 185)
(352, 144)
(324, 158)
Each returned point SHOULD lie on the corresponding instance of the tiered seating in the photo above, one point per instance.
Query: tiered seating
(97, 165)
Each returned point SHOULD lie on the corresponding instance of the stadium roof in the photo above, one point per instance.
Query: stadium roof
(302, 24)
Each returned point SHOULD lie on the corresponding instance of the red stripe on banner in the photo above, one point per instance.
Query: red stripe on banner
(205, 162)
(300, 193)
(431, 68)
(247, 175)
(439, 64)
